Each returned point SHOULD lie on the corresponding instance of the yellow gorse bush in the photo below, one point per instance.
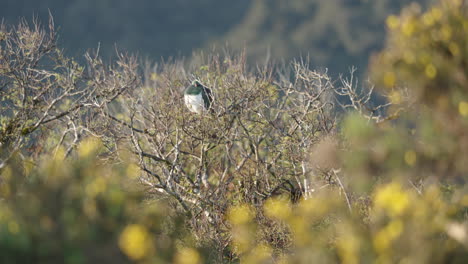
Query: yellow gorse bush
(401, 223)
(426, 52)
(80, 211)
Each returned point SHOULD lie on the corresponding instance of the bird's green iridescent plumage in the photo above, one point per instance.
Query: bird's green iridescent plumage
(193, 90)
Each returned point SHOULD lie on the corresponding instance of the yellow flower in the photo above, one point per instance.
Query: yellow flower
(395, 97)
(133, 171)
(431, 71)
(436, 13)
(348, 248)
(410, 157)
(408, 28)
(389, 79)
(88, 147)
(409, 57)
(94, 188)
(187, 256)
(463, 108)
(464, 200)
(135, 241)
(446, 32)
(392, 199)
(241, 214)
(428, 19)
(454, 49)
(154, 76)
(392, 22)
(277, 208)
(259, 254)
(13, 227)
(384, 238)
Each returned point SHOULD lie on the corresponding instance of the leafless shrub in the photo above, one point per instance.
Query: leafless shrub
(44, 93)
(363, 99)
(252, 145)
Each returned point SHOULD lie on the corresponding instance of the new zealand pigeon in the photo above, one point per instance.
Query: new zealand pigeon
(197, 97)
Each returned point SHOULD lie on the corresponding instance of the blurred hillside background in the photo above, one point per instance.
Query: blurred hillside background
(335, 34)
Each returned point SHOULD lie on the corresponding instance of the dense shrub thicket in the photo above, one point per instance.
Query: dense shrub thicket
(103, 163)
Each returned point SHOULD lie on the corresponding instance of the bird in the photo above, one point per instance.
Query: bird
(197, 97)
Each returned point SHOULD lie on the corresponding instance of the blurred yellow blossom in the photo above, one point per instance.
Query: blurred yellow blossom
(383, 239)
(277, 208)
(187, 256)
(88, 146)
(408, 27)
(259, 254)
(135, 241)
(13, 227)
(392, 21)
(454, 49)
(389, 79)
(431, 71)
(348, 247)
(97, 186)
(410, 157)
(436, 13)
(409, 57)
(464, 200)
(133, 171)
(428, 19)
(395, 97)
(463, 108)
(446, 32)
(153, 76)
(240, 214)
(392, 198)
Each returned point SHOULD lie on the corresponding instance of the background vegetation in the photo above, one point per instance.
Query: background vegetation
(334, 34)
(102, 162)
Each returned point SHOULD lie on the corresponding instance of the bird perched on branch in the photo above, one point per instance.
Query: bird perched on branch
(198, 98)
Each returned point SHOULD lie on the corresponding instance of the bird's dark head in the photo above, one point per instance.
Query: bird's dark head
(196, 83)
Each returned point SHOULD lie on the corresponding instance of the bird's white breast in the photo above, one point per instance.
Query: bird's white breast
(194, 103)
